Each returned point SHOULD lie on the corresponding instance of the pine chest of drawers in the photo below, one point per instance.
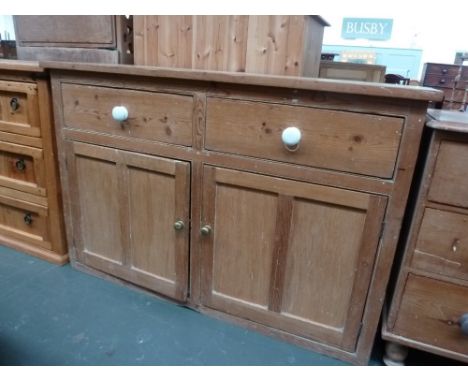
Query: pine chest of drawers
(429, 308)
(31, 218)
(272, 201)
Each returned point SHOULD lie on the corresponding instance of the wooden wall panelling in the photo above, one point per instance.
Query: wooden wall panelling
(163, 41)
(282, 45)
(266, 44)
(220, 42)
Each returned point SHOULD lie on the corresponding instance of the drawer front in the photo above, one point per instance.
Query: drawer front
(430, 311)
(66, 31)
(441, 69)
(22, 168)
(457, 95)
(450, 179)
(442, 80)
(343, 141)
(442, 245)
(19, 109)
(454, 106)
(24, 221)
(155, 116)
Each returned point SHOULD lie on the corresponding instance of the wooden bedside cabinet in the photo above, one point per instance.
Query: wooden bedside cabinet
(271, 201)
(31, 218)
(429, 308)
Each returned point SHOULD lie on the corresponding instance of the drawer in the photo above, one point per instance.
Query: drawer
(26, 222)
(454, 106)
(337, 140)
(441, 69)
(430, 311)
(22, 168)
(442, 245)
(444, 81)
(155, 116)
(450, 179)
(19, 109)
(69, 31)
(457, 96)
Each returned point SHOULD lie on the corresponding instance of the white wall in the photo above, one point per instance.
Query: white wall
(440, 31)
(6, 26)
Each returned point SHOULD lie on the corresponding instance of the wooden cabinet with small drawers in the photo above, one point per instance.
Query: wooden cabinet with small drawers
(443, 77)
(429, 308)
(31, 218)
(191, 184)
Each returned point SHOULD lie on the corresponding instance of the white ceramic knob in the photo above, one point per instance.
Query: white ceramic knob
(120, 113)
(291, 136)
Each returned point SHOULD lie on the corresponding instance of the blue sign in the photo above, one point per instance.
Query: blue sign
(369, 29)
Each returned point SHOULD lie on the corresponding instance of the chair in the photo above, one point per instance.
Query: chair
(396, 79)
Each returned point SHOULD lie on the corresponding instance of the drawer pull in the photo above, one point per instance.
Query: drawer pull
(464, 323)
(291, 137)
(444, 71)
(20, 165)
(442, 81)
(120, 113)
(179, 225)
(14, 104)
(206, 230)
(28, 218)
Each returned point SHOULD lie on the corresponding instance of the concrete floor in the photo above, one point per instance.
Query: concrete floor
(52, 315)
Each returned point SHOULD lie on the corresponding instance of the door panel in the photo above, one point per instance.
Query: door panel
(335, 241)
(147, 234)
(290, 255)
(99, 205)
(234, 247)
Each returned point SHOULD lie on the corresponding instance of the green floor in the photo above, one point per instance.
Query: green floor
(52, 315)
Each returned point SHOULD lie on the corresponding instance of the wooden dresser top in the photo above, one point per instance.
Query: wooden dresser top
(302, 83)
(21, 66)
(447, 120)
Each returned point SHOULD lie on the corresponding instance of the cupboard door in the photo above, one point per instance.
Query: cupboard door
(131, 216)
(158, 222)
(291, 255)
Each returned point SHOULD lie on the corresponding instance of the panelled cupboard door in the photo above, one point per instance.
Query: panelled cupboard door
(291, 255)
(131, 216)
